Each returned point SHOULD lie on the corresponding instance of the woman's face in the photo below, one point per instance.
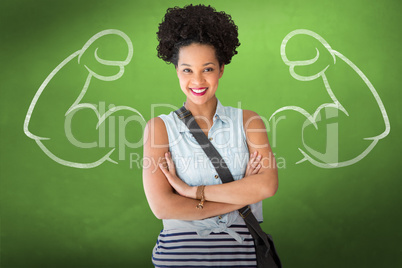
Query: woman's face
(198, 72)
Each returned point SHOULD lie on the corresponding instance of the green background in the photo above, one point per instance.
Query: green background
(58, 216)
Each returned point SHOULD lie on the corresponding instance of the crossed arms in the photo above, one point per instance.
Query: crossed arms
(171, 198)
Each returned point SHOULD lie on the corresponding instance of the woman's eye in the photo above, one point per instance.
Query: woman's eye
(186, 70)
(209, 69)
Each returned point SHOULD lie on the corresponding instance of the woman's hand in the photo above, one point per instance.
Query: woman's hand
(180, 186)
(254, 164)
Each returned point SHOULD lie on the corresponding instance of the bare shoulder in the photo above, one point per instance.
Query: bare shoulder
(255, 130)
(155, 132)
(252, 120)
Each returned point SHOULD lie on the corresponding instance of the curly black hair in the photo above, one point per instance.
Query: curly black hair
(197, 24)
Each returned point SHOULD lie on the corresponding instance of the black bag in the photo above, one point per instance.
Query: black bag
(267, 257)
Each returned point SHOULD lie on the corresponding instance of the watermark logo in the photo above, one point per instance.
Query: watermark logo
(106, 114)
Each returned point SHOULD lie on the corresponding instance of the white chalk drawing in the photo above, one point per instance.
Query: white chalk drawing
(330, 158)
(77, 105)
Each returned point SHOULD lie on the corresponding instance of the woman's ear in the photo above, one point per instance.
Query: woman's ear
(221, 69)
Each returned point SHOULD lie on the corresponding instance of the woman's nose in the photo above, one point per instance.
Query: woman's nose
(197, 79)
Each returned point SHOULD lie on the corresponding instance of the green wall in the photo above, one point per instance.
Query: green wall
(56, 215)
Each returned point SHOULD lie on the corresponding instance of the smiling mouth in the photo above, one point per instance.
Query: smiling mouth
(199, 89)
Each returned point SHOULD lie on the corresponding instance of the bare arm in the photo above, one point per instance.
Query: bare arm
(256, 187)
(250, 189)
(162, 199)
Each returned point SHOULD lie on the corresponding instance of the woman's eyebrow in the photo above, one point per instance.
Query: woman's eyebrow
(205, 64)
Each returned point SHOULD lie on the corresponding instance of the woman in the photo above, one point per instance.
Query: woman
(200, 41)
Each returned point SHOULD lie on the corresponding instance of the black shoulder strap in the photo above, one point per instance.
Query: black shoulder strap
(223, 171)
(216, 159)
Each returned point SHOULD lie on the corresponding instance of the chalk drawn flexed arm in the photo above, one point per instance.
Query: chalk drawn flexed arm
(327, 160)
(117, 69)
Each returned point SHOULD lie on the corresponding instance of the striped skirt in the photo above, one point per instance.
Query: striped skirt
(178, 248)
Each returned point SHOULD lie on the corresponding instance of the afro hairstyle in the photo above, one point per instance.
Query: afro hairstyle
(197, 24)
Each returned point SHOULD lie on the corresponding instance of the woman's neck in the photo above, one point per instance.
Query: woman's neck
(204, 111)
